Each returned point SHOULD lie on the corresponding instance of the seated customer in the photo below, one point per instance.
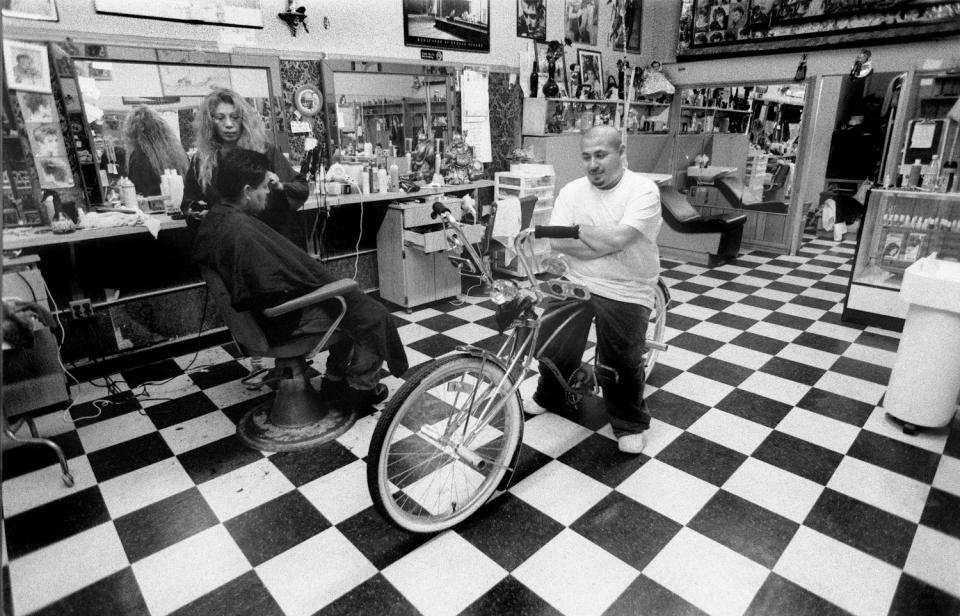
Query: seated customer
(261, 268)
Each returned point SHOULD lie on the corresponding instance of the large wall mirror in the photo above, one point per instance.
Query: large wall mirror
(389, 106)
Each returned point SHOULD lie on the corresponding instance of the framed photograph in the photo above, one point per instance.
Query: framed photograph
(462, 25)
(581, 17)
(591, 71)
(186, 80)
(308, 99)
(27, 66)
(532, 19)
(243, 13)
(625, 28)
(54, 172)
(46, 140)
(722, 28)
(36, 108)
(40, 10)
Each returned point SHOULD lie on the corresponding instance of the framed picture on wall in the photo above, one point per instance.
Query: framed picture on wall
(581, 19)
(532, 19)
(625, 27)
(463, 25)
(243, 13)
(27, 66)
(40, 10)
(591, 71)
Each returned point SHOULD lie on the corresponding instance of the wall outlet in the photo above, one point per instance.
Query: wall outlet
(81, 309)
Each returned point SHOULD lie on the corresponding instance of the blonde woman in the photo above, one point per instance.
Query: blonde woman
(151, 147)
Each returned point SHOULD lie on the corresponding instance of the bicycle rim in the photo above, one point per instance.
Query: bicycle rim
(436, 456)
(656, 329)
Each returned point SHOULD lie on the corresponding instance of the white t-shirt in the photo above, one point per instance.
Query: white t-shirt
(631, 274)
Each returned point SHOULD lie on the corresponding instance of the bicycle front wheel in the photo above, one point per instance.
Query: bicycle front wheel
(656, 329)
(444, 443)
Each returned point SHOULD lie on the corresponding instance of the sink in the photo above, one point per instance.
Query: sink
(932, 283)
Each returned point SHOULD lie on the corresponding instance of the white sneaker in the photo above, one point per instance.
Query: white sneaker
(632, 443)
(530, 407)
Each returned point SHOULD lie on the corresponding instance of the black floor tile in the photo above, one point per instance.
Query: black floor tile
(7, 602)
(374, 596)
(28, 458)
(118, 593)
(675, 274)
(722, 371)
(862, 370)
(680, 322)
(630, 531)
(702, 458)
(164, 523)
(746, 528)
(529, 462)
(720, 274)
(235, 412)
(754, 407)
(759, 272)
(217, 458)
(798, 456)
(786, 287)
(813, 302)
(878, 341)
(832, 287)
(739, 287)
(895, 456)
(510, 597)
(44, 525)
(941, 512)
(442, 322)
(779, 595)
(734, 321)
(378, 540)
(713, 303)
(865, 527)
(242, 596)
(181, 409)
(509, 530)
(758, 342)
(303, 466)
(822, 343)
(644, 596)
(789, 320)
(691, 287)
(800, 272)
(662, 374)
(917, 598)
(275, 526)
(160, 371)
(695, 343)
(673, 409)
(598, 457)
(218, 374)
(128, 456)
(762, 302)
(792, 370)
(118, 404)
(835, 406)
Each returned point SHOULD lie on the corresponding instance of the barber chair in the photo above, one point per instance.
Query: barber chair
(687, 235)
(297, 418)
(742, 198)
(778, 184)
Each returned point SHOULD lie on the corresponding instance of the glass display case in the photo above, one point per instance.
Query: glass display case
(899, 227)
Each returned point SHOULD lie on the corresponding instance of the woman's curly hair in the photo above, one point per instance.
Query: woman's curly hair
(253, 136)
(146, 131)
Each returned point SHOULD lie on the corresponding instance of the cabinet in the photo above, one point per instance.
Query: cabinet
(412, 260)
(899, 227)
(526, 183)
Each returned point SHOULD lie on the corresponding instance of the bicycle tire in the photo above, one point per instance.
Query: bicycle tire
(406, 486)
(656, 329)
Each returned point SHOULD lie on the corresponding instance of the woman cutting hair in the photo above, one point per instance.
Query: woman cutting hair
(151, 148)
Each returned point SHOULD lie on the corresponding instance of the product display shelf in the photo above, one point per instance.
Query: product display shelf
(550, 116)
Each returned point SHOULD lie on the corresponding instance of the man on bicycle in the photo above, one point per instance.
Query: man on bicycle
(616, 257)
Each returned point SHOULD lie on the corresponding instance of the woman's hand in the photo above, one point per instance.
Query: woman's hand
(273, 181)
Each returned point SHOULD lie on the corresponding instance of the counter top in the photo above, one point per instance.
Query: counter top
(313, 201)
(905, 192)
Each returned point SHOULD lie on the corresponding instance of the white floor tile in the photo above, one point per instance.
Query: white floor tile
(89, 391)
(854, 580)
(935, 558)
(851, 387)
(230, 393)
(724, 294)
(832, 330)
(553, 434)
(580, 492)
(698, 388)
(772, 330)
(804, 312)
(659, 435)
(45, 485)
(198, 431)
(575, 576)
(60, 569)
(948, 475)
(741, 356)
(809, 356)
(206, 357)
(419, 314)
(472, 312)
(411, 332)
(172, 577)
(884, 489)
(816, 428)
(730, 431)
(445, 575)
(357, 438)
(679, 358)
(829, 296)
(231, 494)
(871, 354)
(340, 494)
(115, 430)
(779, 296)
(668, 490)
(470, 333)
(177, 387)
(750, 312)
(144, 486)
(775, 387)
(710, 576)
(930, 439)
(715, 331)
(694, 312)
(775, 489)
(309, 576)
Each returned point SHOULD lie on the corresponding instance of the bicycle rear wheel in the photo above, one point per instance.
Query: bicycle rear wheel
(441, 447)
(656, 328)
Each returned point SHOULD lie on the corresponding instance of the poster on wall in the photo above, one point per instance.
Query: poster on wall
(625, 26)
(41, 10)
(27, 66)
(186, 80)
(532, 19)
(243, 13)
(736, 27)
(582, 18)
(462, 25)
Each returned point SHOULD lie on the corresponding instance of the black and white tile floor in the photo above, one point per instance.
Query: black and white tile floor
(772, 484)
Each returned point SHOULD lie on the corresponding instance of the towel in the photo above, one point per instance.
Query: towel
(506, 224)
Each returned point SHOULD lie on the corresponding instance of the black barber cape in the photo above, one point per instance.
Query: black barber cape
(261, 268)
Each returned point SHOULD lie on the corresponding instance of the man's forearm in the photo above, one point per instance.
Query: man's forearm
(576, 248)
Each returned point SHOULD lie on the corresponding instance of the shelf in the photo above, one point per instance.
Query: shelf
(605, 101)
(720, 109)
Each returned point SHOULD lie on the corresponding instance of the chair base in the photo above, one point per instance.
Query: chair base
(257, 432)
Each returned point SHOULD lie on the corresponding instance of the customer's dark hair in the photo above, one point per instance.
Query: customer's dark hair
(240, 168)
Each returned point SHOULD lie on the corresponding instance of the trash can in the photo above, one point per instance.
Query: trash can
(925, 381)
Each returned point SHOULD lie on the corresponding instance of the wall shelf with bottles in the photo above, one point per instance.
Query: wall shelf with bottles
(552, 116)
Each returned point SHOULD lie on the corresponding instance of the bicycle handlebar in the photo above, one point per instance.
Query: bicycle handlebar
(439, 209)
(557, 232)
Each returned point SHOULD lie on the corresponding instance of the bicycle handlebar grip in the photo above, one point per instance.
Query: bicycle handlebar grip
(438, 209)
(557, 232)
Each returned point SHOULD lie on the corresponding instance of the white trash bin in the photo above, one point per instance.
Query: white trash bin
(925, 381)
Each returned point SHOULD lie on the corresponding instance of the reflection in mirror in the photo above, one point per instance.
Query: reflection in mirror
(111, 91)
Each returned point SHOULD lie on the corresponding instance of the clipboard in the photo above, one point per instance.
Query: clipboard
(924, 139)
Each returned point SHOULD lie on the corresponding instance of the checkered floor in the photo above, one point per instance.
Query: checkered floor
(772, 484)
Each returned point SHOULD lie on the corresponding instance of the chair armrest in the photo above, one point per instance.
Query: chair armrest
(327, 291)
(770, 207)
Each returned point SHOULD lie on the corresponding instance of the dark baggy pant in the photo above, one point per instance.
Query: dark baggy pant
(621, 332)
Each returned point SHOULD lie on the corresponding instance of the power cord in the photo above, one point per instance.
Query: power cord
(356, 249)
